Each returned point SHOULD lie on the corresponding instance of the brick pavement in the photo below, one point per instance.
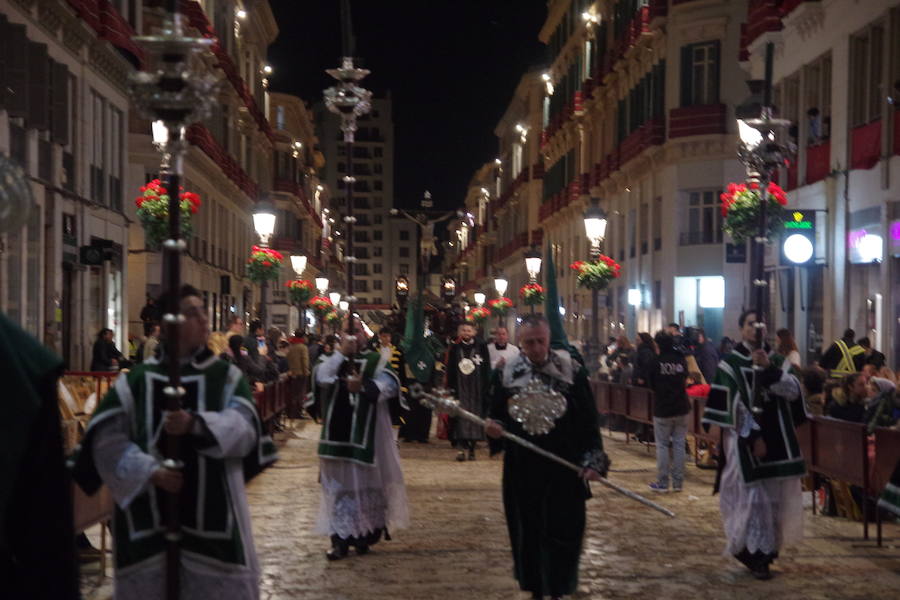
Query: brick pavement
(457, 545)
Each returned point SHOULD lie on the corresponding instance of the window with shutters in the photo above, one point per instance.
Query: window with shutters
(116, 149)
(700, 74)
(38, 87)
(817, 100)
(377, 285)
(866, 59)
(14, 50)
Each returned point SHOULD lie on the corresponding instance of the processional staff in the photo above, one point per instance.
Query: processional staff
(170, 93)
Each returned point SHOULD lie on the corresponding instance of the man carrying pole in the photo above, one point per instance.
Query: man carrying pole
(222, 444)
(544, 501)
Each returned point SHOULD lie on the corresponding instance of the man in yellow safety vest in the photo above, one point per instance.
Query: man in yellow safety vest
(844, 356)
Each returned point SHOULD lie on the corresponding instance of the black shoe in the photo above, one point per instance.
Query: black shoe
(339, 548)
(362, 548)
(761, 571)
(461, 457)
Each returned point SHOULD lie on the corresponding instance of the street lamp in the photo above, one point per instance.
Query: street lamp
(264, 224)
(479, 298)
(533, 263)
(761, 154)
(298, 262)
(500, 284)
(595, 221)
(322, 283)
(335, 298)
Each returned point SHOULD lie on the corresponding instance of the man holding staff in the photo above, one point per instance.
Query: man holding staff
(544, 501)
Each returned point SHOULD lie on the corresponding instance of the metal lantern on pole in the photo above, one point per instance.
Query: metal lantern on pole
(761, 154)
(448, 289)
(264, 223)
(533, 266)
(172, 95)
(335, 298)
(595, 221)
(401, 290)
(322, 284)
(500, 284)
(298, 263)
(479, 297)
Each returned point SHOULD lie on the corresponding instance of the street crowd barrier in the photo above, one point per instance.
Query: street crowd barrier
(281, 397)
(832, 448)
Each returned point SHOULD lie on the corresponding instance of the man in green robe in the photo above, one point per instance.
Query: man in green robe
(222, 444)
(544, 501)
(761, 465)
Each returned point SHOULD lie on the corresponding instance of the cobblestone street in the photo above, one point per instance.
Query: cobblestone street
(457, 545)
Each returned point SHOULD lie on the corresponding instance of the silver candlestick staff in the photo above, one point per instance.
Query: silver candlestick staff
(442, 401)
(171, 93)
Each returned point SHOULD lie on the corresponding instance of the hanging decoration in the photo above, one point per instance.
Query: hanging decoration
(321, 306)
(332, 317)
(264, 264)
(478, 315)
(500, 306)
(531, 294)
(740, 208)
(153, 212)
(596, 274)
(300, 290)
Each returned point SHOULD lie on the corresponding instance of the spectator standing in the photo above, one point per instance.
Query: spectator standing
(787, 347)
(667, 377)
(873, 356)
(706, 355)
(298, 356)
(726, 347)
(105, 355)
(238, 356)
(814, 387)
(646, 354)
(315, 348)
(151, 312)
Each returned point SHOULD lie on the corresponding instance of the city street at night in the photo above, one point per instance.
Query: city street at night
(457, 546)
(276, 274)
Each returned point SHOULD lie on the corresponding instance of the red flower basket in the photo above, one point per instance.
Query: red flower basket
(500, 306)
(596, 275)
(478, 315)
(740, 207)
(264, 264)
(300, 290)
(153, 212)
(531, 294)
(321, 305)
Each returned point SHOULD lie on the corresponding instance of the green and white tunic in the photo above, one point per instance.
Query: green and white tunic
(362, 482)
(760, 498)
(122, 448)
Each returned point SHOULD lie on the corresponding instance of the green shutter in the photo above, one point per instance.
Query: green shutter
(686, 76)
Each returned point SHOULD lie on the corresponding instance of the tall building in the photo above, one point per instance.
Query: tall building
(63, 114)
(385, 247)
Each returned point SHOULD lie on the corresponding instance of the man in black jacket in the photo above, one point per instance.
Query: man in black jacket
(706, 354)
(666, 377)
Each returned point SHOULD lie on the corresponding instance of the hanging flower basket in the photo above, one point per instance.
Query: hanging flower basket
(478, 315)
(321, 305)
(153, 212)
(264, 264)
(299, 290)
(332, 317)
(596, 275)
(531, 294)
(740, 207)
(500, 306)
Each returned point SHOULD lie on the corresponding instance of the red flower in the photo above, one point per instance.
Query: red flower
(267, 263)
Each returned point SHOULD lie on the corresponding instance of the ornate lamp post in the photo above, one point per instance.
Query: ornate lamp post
(595, 221)
(171, 94)
(298, 263)
(761, 154)
(500, 284)
(533, 265)
(479, 297)
(264, 224)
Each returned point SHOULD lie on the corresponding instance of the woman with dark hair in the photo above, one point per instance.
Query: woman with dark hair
(105, 355)
(238, 356)
(787, 347)
(646, 353)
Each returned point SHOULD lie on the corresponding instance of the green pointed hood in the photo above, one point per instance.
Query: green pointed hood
(558, 338)
(419, 357)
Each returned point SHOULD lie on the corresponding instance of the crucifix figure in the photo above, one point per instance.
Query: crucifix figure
(427, 245)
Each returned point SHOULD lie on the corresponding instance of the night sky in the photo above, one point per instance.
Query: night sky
(450, 65)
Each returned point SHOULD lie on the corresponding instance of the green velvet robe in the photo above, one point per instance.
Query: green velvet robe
(544, 501)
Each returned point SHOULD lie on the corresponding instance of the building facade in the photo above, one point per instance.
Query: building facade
(837, 76)
(63, 118)
(385, 247)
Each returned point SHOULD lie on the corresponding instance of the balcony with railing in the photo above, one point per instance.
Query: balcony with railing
(697, 120)
(865, 145)
(818, 161)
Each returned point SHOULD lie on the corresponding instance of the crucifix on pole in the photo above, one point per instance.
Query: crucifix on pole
(425, 218)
